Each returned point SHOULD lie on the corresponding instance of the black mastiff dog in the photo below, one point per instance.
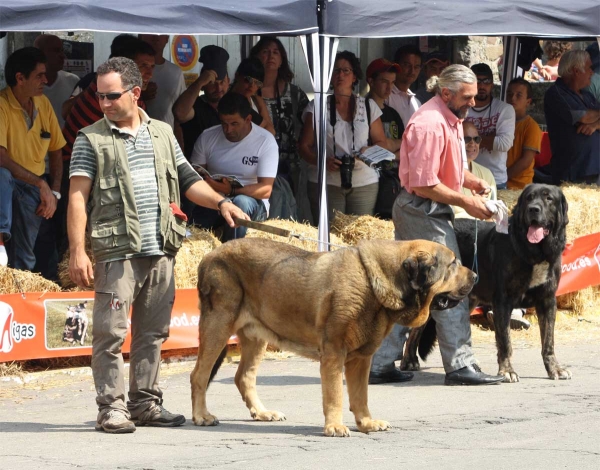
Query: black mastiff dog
(518, 269)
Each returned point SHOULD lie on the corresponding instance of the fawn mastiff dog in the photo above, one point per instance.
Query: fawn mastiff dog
(334, 307)
(518, 269)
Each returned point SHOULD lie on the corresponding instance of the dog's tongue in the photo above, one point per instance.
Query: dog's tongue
(536, 234)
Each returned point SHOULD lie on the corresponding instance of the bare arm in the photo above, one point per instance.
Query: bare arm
(202, 194)
(260, 190)
(591, 116)
(56, 169)
(66, 107)
(47, 200)
(80, 266)
(378, 135)
(183, 109)
(306, 143)
(473, 205)
(266, 123)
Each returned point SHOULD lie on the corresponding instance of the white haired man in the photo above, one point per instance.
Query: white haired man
(432, 173)
(573, 119)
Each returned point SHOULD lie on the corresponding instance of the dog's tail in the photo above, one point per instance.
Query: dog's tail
(428, 338)
(217, 365)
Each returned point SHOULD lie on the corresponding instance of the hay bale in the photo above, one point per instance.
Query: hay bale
(509, 197)
(189, 256)
(305, 230)
(15, 281)
(353, 228)
(193, 249)
(585, 302)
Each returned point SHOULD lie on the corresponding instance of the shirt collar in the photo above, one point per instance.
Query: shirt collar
(12, 100)
(144, 118)
(450, 117)
(398, 91)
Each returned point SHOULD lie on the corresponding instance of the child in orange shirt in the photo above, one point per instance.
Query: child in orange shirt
(528, 136)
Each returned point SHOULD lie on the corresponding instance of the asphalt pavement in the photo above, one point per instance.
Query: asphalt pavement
(48, 423)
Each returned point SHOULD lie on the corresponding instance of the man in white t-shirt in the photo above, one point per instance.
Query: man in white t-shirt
(495, 122)
(60, 84)
(167, 82)
(402, 98)
(242, 149)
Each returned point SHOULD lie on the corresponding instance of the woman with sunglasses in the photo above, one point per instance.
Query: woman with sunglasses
(350, 129)
(286, 103)
(472, 141)
(248, 80)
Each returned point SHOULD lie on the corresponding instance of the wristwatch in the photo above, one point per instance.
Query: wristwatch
(56, 195)
(223, 201)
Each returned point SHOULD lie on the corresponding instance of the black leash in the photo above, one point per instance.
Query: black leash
(475, 266)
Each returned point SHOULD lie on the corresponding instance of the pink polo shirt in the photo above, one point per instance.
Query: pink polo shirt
(431, 151)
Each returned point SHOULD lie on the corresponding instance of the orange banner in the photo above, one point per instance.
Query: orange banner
(59, 324)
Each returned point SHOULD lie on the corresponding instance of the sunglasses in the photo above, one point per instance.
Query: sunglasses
(485, 81)
(345, 71)
(253, 81)
(476, 139)
(115, 95)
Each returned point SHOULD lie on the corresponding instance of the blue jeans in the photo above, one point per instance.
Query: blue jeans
(18, 221)
(211, 219)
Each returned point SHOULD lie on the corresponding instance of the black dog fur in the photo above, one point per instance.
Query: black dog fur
(513, 273)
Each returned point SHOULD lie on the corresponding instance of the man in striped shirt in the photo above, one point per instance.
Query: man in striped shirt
(132, 168)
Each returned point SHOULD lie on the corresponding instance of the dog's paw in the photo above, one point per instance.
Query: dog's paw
(560, 374)
(368, 425)
(510, 376)
(412, 364)
(268, 416)
(336, 430)
(208, 420)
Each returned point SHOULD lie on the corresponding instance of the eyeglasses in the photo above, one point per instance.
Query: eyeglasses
(115, 95)
(476, 139)
(253, 81)
(485, 81)
(344, 70)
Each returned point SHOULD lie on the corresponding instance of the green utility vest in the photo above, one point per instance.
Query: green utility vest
(114, 222)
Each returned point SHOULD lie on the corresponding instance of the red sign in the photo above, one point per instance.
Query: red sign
(184, 51)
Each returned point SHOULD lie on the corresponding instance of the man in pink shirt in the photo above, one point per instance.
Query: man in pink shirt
(432, 173)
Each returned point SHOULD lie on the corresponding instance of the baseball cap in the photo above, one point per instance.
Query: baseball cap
(214, 58)
(381, 66)
(436, 57)
(482, 69)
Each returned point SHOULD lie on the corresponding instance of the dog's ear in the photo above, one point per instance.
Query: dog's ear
(563, 210)
(378, 262)
(421, 269)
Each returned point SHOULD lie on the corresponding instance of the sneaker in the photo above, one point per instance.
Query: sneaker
(114, 422)
(517, 322)
(3, 256)
(156, 415)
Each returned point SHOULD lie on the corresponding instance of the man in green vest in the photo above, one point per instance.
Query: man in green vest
(130, 168)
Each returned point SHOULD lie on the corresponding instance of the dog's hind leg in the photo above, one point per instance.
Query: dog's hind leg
(253, 351)
(546, 313)
(214, 334)
(332, 383)
(357, 379)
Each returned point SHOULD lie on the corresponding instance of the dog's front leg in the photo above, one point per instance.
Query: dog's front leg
(357, 380)
(546, 313)
(332, 365)
(502, 312)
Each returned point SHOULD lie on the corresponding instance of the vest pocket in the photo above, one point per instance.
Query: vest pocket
(110, 192)
(107, 239)
(175, 233)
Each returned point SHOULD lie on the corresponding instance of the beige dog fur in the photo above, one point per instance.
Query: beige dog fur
(334, 307)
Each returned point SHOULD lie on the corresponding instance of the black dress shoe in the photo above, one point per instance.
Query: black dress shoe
(471, 375)
(393, 376)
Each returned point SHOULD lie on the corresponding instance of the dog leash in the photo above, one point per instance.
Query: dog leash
(475, 266)
(282, 232)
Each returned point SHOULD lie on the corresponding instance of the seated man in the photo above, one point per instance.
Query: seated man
(239, 148)
(472, 141)
(573, 119)
(28, 131)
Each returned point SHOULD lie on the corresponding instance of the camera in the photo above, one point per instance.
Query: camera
(346, 169)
